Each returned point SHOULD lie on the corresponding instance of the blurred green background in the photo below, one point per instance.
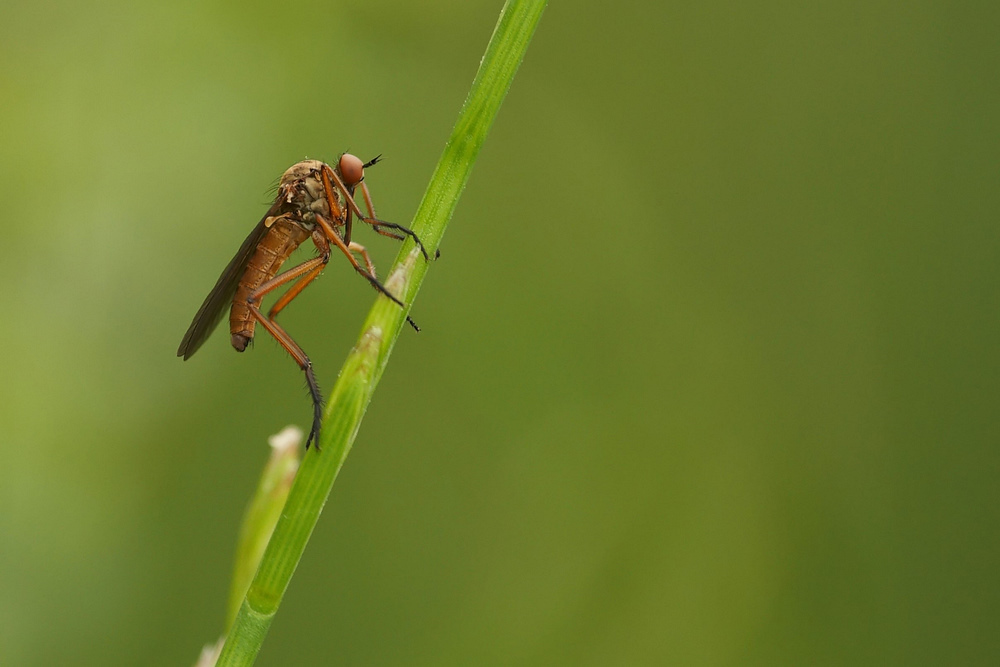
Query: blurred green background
(709, 368)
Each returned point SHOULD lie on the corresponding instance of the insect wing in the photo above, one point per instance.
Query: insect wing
(210, 313)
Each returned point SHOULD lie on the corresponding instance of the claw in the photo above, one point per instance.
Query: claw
(314, 431)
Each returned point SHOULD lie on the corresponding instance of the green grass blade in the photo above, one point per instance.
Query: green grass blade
(263, 512)
(366, 362)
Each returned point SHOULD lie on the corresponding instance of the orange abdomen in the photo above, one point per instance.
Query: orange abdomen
(280, 241)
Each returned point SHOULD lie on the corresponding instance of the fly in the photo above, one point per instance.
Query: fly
(315, 201)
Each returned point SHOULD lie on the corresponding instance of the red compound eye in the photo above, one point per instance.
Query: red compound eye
(352, 169)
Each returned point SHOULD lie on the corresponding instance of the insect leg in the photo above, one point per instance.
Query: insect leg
(304, 363)
(348, 225)
(307, 272)
(360, 249)
(330, 178)
(369, 275)
(294, 290)
(377, 224)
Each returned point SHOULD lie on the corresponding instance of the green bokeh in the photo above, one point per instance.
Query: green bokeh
(709, 370)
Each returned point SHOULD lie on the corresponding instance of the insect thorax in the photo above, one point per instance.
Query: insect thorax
(302, 189)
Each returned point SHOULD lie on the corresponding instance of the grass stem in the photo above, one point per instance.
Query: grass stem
(367, 360)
